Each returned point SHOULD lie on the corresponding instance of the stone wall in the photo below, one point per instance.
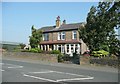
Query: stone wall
(84, 60)
(31, 56)
(113, 62)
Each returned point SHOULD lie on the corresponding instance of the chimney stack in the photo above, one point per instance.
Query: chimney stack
(64, 22)
(58, 22)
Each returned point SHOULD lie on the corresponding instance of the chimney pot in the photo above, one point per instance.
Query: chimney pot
(64, 21)
(58, 22)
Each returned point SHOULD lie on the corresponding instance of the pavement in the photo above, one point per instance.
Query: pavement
(26, 71)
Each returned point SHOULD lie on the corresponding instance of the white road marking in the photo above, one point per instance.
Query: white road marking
(70, 73)
(74, 79)
(16, 67)
(42, 72)
(83, 77)
(39, 78)
(1, 63)
(12, 65)
(2, 70)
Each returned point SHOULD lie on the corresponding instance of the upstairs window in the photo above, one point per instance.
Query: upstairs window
(46, 37)
(74, 34)
(61, 35)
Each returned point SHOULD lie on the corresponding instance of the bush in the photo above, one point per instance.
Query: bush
(35, 50)
(66, 57)
(100, 53)
(55, 52)
(60, 58)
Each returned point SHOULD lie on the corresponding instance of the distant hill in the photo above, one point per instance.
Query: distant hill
(10, 43)
(9, 46)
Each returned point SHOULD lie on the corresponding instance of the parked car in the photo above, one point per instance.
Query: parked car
(86, 53)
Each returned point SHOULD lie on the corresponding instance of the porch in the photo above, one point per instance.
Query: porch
(63, 48)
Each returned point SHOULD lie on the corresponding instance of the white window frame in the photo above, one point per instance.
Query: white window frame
(45, 36)
(73, 33)
(60, 35)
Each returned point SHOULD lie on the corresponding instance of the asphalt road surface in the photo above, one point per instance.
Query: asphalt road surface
(17, 71)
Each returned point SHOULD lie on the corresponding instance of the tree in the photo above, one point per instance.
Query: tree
(35, 38)
(22, 45)
(99, 33)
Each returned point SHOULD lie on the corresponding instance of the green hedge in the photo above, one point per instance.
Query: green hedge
(35, 50)
(60, 58)
(55, 52)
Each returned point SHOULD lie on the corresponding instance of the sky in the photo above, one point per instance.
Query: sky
(18, 17)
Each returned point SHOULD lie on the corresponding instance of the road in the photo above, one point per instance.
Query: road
(18, 71)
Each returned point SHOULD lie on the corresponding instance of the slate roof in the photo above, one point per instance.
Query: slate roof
(73, 26)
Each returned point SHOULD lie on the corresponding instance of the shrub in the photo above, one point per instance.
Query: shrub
(60, 58)
(66, 57)
(55, 52)
(35, 50)
(100, 53)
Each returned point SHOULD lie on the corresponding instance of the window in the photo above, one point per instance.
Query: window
(61, 35)
(46, 37)
(67, 47)
(63, 49)
(59, 48)
(72, 47)
(76, 48)
(74, 35)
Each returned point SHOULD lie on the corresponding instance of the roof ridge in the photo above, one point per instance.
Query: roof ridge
(64, 24)
(62, 27)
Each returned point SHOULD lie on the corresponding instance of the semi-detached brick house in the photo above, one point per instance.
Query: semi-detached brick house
(63, 37)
